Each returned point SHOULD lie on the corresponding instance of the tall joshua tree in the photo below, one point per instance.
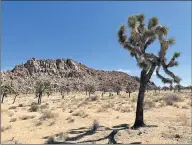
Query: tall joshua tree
(137, 43)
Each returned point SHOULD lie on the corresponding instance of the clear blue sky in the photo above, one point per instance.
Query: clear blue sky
(87, 33)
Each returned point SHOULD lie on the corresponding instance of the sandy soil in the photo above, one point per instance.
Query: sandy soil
(169, 123)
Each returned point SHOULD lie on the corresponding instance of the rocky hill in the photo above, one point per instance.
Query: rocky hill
(76, 74)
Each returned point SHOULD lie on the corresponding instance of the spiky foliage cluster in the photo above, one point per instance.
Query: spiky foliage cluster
(139, 40)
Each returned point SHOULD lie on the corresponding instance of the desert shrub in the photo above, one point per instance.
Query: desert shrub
(84, 102)
(184, 107)
(38, 123)
(80, 114)
(93, 97)
(161, 104)
(45, 106)
(125, 109)
(47, 115)
(149, 104)
(101, 109)
(175, 105)
(170, 99)
(10, 114)
(157, 99)
(4, 128)
(12, 107)
(13, 119)
(190, 103)
(183, 119)
(34, 107)
(70, 111)
(133, 99)
(70, 119)
(25, 117)
(52, 123)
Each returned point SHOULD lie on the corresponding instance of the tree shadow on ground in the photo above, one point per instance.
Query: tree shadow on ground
(85, 131)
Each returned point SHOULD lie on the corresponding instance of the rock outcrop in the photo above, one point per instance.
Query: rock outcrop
(75, 73)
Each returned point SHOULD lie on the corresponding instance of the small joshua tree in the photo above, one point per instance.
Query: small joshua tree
(178, 87)
(64, 88)
(137, 44)
(104, 88)
(41, 87)
(171, 87)
(5, 90)
(128, 89)
(117, 88)
(159, 88)
(90, 88)
(16, 93)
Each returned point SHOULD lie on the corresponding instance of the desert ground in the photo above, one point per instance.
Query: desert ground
(167, 114)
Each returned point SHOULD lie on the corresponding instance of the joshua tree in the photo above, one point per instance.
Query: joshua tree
(155, 89)
(137, 44)
(64, 88)
(16, 93)
(159, 88)
(128, 89)
(5, 90)
(90, 88)
(171, 87)
(178, 87)
(104, 88)
(117, 88)
(41, 87)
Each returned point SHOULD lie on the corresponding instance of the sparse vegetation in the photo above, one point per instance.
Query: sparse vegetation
(38, 123)
(34, 107)
(4, 128)
(13, 119)
(170, 99)
(26, 117)
(12, 107)
(80, 113)
(48, 115)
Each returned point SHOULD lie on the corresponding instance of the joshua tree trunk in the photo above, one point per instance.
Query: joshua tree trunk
(89, 94)
(14, 99)
(3, 95)
(139, 112)
(129, 94)
(144, 78)
(39, 98)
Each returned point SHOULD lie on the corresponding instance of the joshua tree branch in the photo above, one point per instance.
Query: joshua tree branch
(164, 80)
(168, 72)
